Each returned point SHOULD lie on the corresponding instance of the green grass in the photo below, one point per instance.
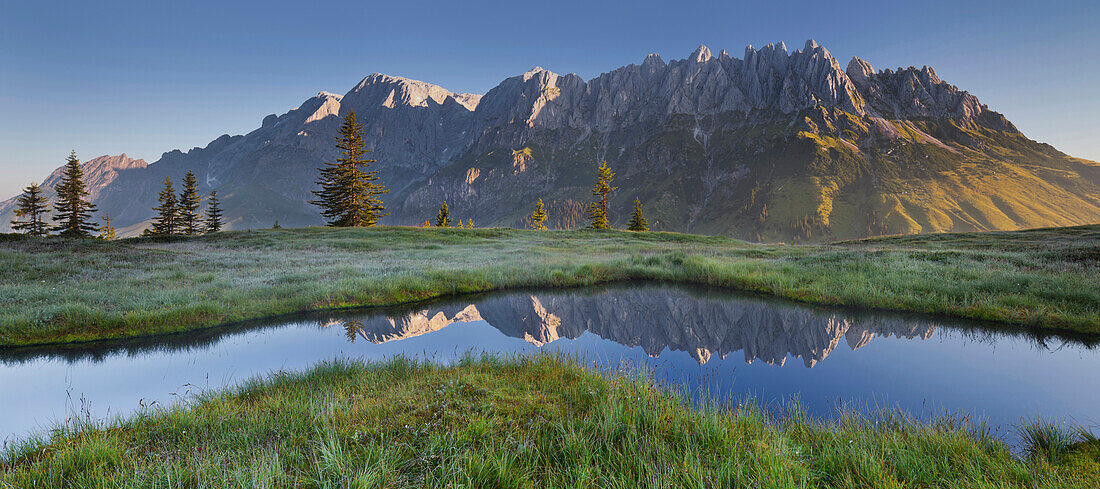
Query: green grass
(535, 422)
(56, 291)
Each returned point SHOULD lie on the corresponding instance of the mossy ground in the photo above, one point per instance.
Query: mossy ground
(536, 422)
(56, 291)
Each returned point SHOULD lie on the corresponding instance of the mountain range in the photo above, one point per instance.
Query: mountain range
(775, 146)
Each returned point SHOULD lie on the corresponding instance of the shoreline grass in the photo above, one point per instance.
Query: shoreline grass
(58, 291)
(532, 422)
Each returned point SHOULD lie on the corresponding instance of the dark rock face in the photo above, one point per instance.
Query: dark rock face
(656, 319)
(778, 145)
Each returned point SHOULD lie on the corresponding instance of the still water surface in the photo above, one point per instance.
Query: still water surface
(713, 344)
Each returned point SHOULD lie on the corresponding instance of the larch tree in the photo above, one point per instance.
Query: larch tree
(166, 221)
(638, 222)
(73, 213)
(538, 217)
(213, 214)
(30, 212)
(443, 219)
(107, 230)
(190, 222)
(350, 191)
(598, 217)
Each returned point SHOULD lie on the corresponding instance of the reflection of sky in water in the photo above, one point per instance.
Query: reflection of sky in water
(1002, 376)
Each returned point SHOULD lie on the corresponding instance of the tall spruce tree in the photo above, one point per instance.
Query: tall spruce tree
(538, 217)
(166, 221)
(190, 222)
(443, 219)
(213, 214)
(638, 222)
(597, 211)
(73, 213)
(107, 230)
(30, 212)
(350, 190)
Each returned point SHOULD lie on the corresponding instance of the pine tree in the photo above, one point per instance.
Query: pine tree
(276, 225)
(73, 213)
(213, 214)
(443, 219)
(637, 221)
(188, 208)
(349, 193)
(30, 212)
(538, 218)
(597, 211)
(166, 221)
(107, 231)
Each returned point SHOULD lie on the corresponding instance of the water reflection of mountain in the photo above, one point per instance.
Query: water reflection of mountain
(656, 318)
(701, 321)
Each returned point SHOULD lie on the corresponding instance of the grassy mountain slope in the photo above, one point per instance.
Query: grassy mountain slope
(824, 175)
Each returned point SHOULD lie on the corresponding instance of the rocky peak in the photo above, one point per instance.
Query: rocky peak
(859, 71)
(928, 74)
(653, 61)
(323, 105)
(98, 173)
(537, 71)
(530, 98)
(918, 93)
(700, 55)
(378, 89)
(815, 78)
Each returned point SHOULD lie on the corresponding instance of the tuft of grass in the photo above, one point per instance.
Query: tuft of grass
(58, 291)
(1051, 441)
(532, 422)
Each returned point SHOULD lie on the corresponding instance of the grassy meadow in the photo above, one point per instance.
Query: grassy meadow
(536, 422)
(57, 291)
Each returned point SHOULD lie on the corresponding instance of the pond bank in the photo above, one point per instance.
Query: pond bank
(59, 291)
(535, 422)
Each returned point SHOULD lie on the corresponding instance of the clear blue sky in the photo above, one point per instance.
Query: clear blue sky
(146, 77)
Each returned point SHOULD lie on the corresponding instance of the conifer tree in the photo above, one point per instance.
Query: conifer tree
(189, 220)
(349, 193)
(107, 231)
(538, 218)
(638, 222)
(469, 224)
(461, 225)
(30, 212)
(166, 221)
(276, 225)
(443, 219)
(425, 224)
(597, 211)
(73, 213)
(213, 214)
